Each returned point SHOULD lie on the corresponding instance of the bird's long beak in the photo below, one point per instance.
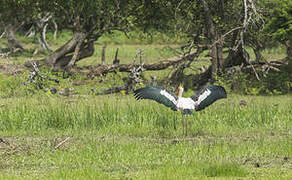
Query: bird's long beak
(177, 91)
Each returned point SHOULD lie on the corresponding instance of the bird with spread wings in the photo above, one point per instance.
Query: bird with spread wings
(197, 102)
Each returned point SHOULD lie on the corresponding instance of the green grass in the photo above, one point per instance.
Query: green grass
(117, 137)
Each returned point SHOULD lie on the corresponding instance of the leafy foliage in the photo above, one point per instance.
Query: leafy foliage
(279, 19)
(275, 83)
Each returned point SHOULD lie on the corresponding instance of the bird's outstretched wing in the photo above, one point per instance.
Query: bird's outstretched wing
(208, 95)
(159, 94)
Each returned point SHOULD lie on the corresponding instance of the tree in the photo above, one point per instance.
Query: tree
(88, 20)
(23, 13)
(279, 22)
(219, 24)
(12, 15)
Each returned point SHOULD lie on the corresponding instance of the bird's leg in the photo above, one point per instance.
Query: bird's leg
(186, 126)
(183, 124)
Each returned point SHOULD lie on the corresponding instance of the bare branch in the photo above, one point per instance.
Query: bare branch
(62, 143)
(116, 60)
(221, 39)
(1, 36)
(249, 13)
(103, 55)
(56, 28)
(99, 70)
(76, 54)
(36, 74)
(5, 55)
(2, 140)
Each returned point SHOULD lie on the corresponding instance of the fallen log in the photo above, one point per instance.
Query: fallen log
(99, 70)
(112, 90)
(61, 143)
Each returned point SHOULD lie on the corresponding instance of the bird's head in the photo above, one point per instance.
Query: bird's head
(179, 91)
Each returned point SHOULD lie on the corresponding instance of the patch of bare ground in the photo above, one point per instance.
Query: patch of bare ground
(12, 147)
(26, 143)
(265, 162)
(10, 69)
(23, 147)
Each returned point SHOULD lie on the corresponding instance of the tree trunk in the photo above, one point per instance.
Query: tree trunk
(216, 50)
(43, 40)
(42, 23)
(55, 29)
(86, 50)
(289, 50)
(217, 59)
(288, 45)
(214, 66)
(59, 58)
(13, 44)
(236, 57)
(220, 56)
(103, 55)
(258, 55)
(76, 54)
(198, 80)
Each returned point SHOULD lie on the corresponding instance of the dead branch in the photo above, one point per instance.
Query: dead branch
(2, 35)
(103, 55)
(116, 60)
(177, 75)
(221, 39)
(55, 28)
(35, 75)
(135, 76)
(76, 54)
(250, 12)
(2, 140)
(62, 143)
(5, 55)
(135, 70)
(93, 71)
(42, 23)
(112, 90)
(259, 67)
(31, 32)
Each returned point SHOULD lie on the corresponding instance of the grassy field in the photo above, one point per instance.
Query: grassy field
(113, 137)
(117, 137)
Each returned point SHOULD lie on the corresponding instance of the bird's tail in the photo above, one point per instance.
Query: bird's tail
(187, 111)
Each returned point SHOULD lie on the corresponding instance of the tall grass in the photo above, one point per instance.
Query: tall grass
(119, 137)
(97, 112)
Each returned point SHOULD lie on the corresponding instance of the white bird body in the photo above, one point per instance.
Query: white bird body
(181, 102)
(185, 103)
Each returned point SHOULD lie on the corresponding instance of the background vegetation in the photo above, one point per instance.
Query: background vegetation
(70, 130)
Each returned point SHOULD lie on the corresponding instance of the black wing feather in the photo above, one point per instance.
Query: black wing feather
(153, 93)
(208, 95)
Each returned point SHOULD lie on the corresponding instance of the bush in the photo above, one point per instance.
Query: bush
(274, 83)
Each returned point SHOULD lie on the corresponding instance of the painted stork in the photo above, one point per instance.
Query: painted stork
(200, 100)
